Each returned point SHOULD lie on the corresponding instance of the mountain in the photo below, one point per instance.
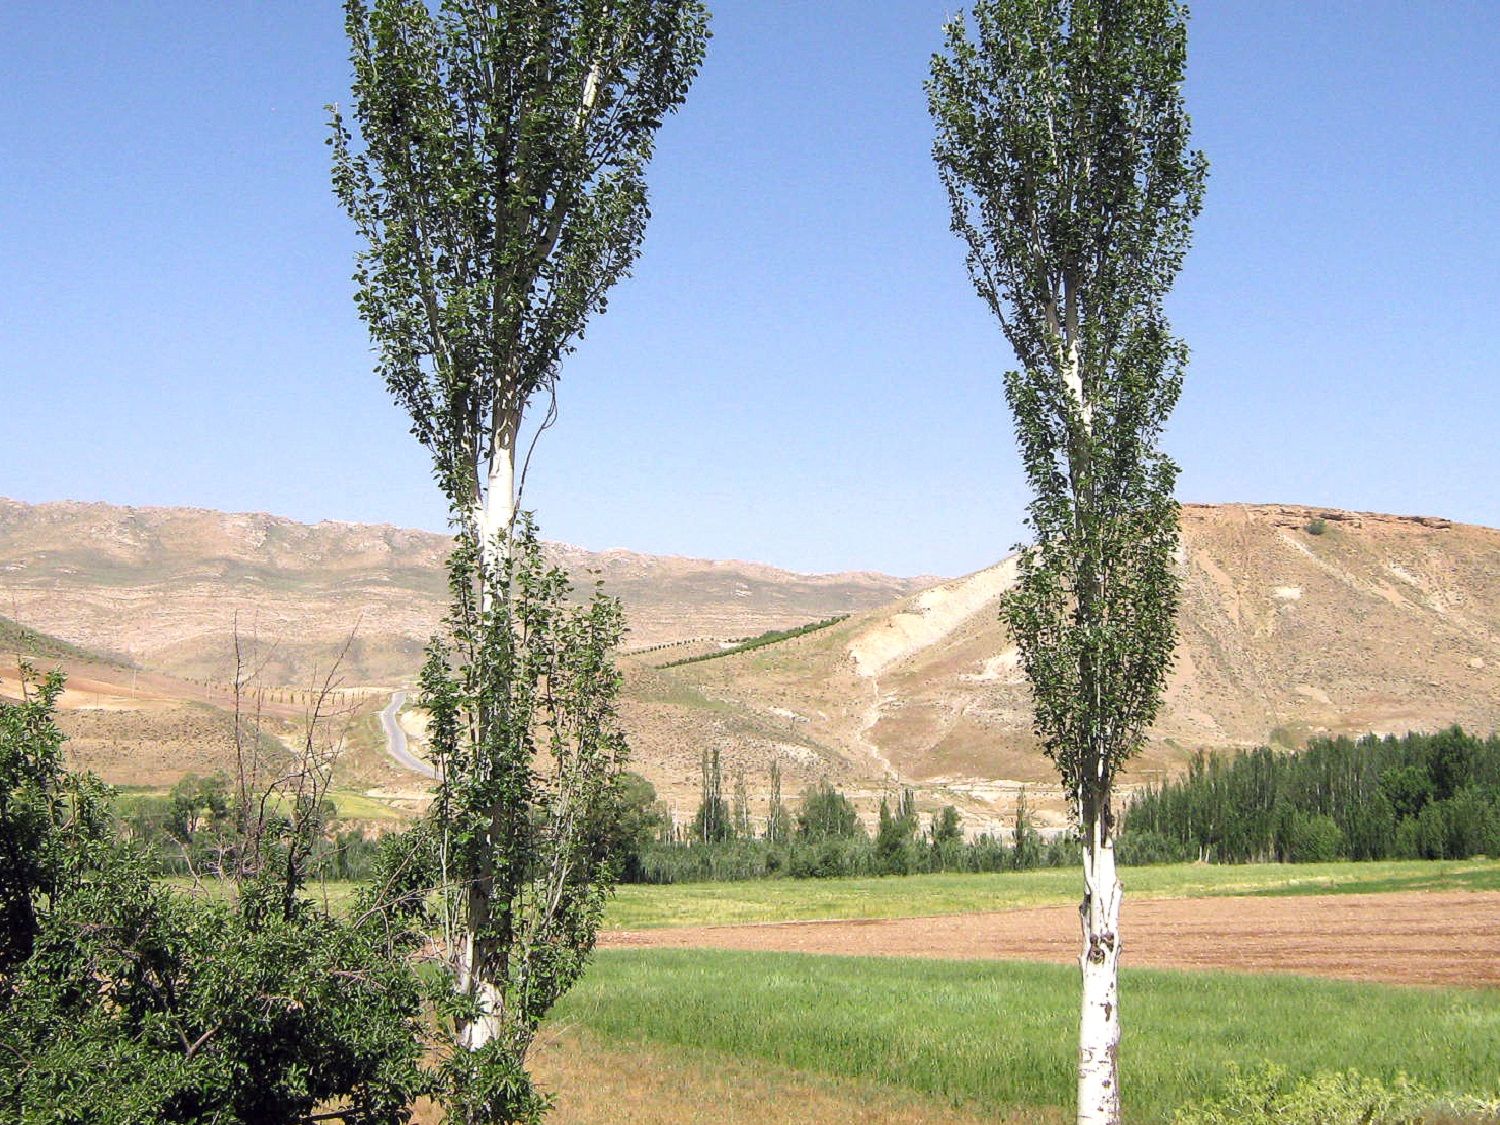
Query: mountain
(1295, 621)
(169, 588)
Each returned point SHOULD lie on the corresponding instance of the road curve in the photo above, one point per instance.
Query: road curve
(395, 738)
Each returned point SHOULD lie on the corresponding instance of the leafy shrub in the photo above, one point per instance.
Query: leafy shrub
(195, 1010)
(1270, 1096)
(1315, 838)
(1316, 526)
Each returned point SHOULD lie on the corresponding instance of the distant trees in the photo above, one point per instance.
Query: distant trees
(777, 818)
(897, 834)
(500, 193)
(826, 814)
(639, 819)
(1421, 796)
(711, 823)
(1061, 138)
(824, 837)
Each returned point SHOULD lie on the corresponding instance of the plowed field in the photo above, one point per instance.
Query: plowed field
(1434, 938)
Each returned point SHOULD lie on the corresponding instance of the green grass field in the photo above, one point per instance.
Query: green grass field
(994, 1037)
(915, 896)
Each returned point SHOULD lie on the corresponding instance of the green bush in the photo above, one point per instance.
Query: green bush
(1270, 1096)
(1314, 839)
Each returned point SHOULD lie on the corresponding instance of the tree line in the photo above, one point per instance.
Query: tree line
(820, 835)
(760, 640)
(1420, 796)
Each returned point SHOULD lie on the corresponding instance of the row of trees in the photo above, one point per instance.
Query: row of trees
(821, 835)
(1421, 796)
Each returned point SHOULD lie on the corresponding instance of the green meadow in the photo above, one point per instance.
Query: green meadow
(998, 1037)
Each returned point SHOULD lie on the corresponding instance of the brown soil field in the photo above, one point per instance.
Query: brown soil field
(1431, 938)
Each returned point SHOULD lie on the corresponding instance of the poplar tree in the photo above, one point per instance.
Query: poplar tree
(495, 170)
(1063, 144)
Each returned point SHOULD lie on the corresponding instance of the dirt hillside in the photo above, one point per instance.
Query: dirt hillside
(1296, 621)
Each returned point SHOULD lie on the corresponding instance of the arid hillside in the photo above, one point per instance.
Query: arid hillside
(167, 588)
(1296, 621)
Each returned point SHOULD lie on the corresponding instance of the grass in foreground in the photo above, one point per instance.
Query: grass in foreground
(916, 896)
(1000, 1038)
(602, 1083)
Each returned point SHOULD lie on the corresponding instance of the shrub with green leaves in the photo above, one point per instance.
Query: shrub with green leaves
(1271, 1096)
(262, 1008)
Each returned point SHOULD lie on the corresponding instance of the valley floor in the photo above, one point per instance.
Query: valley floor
(1446, 938)
(775, 1020)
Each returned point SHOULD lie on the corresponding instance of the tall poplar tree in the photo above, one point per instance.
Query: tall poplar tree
(496, 173)
(1063, 143)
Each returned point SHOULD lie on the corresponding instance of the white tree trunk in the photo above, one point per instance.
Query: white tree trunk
(494, 512)
(1099, 1026)
(487, 995)
(493, 516)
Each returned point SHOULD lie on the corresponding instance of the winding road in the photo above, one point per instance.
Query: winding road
(395, 738)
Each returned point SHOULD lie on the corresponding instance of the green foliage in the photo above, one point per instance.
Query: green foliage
(528, 750)
(198, 802)
(637, 821)
(905, 852)
(1062, 142)
(1316, 526)
(826, 814)
(1314, 838)
(500, 192)
(898, 849)
(490, 1083)
(193, 836)
(778, 820)
(1428, 796)
(194, 1010)
(769, 637)
(711, 823)
(1272, 1096)
(1026, 842)
(34, 816)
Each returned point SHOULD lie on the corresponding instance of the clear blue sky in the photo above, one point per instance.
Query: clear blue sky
(798, 372)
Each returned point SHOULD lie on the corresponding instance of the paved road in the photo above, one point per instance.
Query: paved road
(395, 738)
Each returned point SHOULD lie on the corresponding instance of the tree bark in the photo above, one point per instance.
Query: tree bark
(494, 512)
(495, 505)
(1099, 1027)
